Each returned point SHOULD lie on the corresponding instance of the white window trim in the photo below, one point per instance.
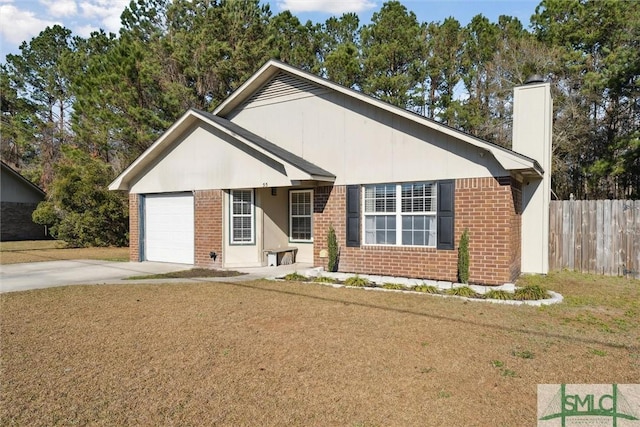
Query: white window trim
(291, 239)
(398, 214)
(232, 216)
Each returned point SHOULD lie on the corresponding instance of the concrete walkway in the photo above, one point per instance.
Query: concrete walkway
(39, 275)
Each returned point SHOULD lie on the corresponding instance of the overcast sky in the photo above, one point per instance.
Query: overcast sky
(21, 20)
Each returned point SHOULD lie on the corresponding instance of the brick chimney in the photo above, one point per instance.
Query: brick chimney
(532, 122)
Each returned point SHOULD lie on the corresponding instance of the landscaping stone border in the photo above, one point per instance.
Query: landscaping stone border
(312, 273)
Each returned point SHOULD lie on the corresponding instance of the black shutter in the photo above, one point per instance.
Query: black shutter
(446, 214)
(353, 216)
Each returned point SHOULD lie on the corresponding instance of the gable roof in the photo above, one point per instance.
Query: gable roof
(238, 133)
(508, 159)
(8, 169)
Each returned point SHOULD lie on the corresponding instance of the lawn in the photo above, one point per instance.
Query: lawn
(54, 250)
(280, 353)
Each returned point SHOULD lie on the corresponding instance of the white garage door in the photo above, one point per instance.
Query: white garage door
(169, 227)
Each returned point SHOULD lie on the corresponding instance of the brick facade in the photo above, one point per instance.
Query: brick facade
(134, 230)
(489, 207)
(17, 223)
(209, 234)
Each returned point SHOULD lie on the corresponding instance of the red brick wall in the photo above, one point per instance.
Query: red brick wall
(208, 227)
(134, 233)
(488, 207)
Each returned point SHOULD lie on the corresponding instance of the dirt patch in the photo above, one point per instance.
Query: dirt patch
(190, 274)
(277, 353)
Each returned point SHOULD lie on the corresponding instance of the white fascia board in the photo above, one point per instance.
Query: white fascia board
(122, 181)
(508, 159)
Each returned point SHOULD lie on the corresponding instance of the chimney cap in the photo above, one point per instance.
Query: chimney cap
(534, 78)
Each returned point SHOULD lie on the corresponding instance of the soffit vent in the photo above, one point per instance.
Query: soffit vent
(284, 87)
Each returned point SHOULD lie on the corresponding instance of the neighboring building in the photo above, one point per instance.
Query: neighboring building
(18, 199)
(289, 154)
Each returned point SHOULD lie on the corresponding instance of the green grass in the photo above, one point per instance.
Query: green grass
(295, 277)
(499, 294)
(531, 292)
(427, 289)
(596, 352)
(497, 363)
(463, 291)
(395, 286)
(357, 281)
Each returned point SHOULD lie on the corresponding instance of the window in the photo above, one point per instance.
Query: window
(241, 206)
(301, 215)
(400, 214)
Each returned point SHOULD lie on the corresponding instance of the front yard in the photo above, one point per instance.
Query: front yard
(278, 353)
(55, 250)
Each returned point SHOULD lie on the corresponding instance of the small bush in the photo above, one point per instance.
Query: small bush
(324, 279)
(427, 289)
(499, 294)
(396, 286)
(463, 258)
(334, 251)
(531, 292)
(463, 291)
(357, 281)
(295, 277)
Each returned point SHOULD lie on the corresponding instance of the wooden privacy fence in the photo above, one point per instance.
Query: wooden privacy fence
(595, 236)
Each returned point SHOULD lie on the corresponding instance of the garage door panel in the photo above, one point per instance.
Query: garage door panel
(169, 228)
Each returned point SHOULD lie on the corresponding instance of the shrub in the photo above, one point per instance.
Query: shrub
(357, 281)
(428, 289)
(79, 208)
(463, 257)
(332, 243)
(396, 286)
(463, 291)
(295, 277)
(531, 292)
(499, 294)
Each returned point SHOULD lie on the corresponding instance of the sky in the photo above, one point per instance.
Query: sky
(21, 20)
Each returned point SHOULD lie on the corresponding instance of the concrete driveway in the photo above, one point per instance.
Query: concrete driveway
(38, 275)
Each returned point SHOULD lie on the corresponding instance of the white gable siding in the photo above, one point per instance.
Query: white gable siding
(360, 143)
(205, 159)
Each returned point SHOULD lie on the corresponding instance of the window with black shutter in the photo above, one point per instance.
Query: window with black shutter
(446, 214)
(353, 216)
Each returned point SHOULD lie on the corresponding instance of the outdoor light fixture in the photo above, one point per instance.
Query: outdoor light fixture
(213, 255)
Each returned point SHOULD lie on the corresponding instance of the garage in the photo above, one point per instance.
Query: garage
(169, 228)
